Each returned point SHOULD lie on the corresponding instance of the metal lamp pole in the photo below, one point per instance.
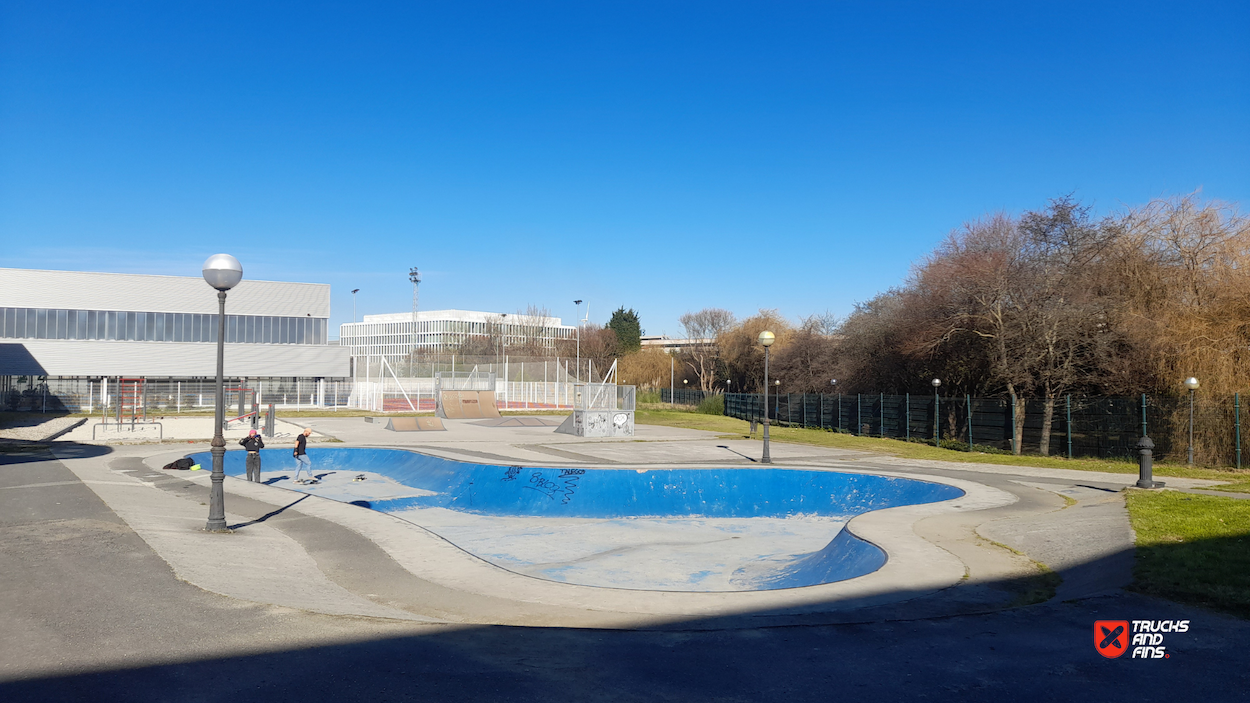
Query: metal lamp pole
(1192, 384)
(937, 416)
(577, 371)
(766, 338)
(223, 272)
(414, 276)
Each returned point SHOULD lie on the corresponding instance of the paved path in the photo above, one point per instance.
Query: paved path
(101, 551)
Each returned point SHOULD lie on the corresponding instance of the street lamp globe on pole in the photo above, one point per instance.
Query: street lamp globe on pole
(937, 418)
(1192, 384)
(766, 338)
(223, 272)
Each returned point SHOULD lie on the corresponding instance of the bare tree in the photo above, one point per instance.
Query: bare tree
(703, 328)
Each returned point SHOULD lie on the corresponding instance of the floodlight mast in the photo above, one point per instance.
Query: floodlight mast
(415, 276)
(577, 370)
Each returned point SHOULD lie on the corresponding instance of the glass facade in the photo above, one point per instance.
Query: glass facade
(40, 323)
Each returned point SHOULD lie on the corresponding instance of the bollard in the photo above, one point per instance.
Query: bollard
(269, 421)
(1146, 464)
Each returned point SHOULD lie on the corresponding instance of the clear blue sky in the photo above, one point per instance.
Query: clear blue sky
(663, 156)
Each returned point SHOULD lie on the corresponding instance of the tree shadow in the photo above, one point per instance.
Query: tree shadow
(21, 452)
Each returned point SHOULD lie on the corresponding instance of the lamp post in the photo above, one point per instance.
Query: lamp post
(354, 292)
(1192, 384)
(766, 338)
(937, 417)
(223, 272)
(577, 370)
(414, 276)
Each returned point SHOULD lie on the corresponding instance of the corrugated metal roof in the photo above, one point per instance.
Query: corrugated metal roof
(78, 290)
(49, 357)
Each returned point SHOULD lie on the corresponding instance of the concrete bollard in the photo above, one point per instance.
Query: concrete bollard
(1145, 465)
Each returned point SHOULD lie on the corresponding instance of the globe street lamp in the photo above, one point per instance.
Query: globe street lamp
(223, 272)
(766, 338)
(937, 418)
(1192, 384)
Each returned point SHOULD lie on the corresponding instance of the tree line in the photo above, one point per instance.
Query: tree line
(1042, 304)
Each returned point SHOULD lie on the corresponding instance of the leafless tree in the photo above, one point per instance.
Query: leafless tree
(703, 328)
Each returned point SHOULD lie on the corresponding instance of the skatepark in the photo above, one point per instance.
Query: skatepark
(315, 571)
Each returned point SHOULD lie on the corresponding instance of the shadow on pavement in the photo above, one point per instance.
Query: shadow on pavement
(17, 453)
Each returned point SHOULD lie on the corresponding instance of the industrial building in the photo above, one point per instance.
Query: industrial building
(393, 335)
(64, 329)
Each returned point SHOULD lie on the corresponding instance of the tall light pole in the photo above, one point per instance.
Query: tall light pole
(937, 418)
(415, 276)
(766, 338)
(1192, 384)
(577, 370)
(354, 292)
(223, 272)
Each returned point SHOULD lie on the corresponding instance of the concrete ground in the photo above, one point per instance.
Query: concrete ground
(110, 589)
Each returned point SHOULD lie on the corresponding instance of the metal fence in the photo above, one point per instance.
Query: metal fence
(684, 396)
(164, 396)
(1080, 426)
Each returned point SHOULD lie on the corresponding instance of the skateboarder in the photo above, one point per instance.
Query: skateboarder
(301, 457)
(253, 443)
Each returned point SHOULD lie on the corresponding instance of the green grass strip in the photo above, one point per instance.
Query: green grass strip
(1193, 549)
(912, 450)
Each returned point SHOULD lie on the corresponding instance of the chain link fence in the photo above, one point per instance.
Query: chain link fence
(1078, 427)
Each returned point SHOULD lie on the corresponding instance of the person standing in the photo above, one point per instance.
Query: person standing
(253, 443)
(301, 456)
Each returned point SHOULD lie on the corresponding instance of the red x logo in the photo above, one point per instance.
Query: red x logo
(1111, 637)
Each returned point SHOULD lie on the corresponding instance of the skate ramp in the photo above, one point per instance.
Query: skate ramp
(414, 424)
(467, 405)
(519, 422)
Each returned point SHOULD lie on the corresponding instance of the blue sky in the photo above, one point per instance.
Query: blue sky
(663, 156)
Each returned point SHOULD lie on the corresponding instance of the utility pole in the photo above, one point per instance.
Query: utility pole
(415, 277)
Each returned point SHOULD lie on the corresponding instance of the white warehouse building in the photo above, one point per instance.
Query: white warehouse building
(64, 326)
(392, 335)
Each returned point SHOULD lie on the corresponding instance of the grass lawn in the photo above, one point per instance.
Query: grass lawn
(911, 450)
(1193, 549)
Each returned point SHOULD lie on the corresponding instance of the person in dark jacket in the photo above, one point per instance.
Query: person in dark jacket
(253, 444)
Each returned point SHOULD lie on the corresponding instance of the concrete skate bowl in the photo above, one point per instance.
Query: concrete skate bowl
(701, 530)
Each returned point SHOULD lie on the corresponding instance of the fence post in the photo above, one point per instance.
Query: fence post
(1069, 426)
(968, 398)
(1237, 425)
(907, 433)
(804, 410)
(882, 433)
(859, 414)
(1014, 448)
